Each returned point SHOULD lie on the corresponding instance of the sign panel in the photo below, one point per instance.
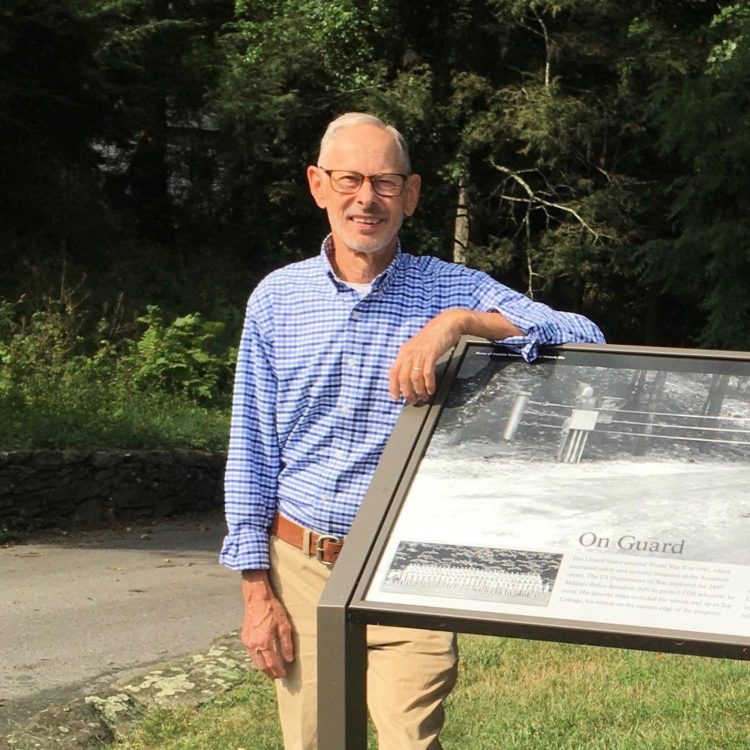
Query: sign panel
(601, 489)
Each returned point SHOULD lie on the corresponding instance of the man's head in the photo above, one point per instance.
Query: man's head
(351, 119)
(365, 214)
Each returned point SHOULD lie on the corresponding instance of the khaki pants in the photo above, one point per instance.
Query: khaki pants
(409, 672)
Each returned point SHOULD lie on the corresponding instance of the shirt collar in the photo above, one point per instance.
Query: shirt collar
(325, 253)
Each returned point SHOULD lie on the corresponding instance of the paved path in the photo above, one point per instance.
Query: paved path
(79, 610)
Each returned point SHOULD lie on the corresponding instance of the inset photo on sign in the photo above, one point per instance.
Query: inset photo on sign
(450, 570)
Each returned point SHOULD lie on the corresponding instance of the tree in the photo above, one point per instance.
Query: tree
(160, 63)
(159, 147)
(52, 104)
(105, 143)
(705, 120)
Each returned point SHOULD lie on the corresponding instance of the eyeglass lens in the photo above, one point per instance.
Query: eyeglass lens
(386, 185)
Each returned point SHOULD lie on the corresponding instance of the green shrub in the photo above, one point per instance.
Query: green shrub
(168, 388)
(183, 357)
(139, 421)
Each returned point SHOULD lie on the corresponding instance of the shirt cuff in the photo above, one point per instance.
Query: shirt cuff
(527, 346)
(245, 548)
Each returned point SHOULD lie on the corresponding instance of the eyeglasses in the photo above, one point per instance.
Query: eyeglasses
(385, 185)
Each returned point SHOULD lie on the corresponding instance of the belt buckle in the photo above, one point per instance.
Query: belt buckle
(319, 544)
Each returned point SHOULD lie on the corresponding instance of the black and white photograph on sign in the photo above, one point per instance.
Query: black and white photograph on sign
(451, 570)
(644, 469)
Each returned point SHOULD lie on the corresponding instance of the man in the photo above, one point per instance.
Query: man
(332, 348)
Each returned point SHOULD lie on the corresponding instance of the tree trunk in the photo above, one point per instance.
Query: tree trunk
(461, 226)
(149, 169)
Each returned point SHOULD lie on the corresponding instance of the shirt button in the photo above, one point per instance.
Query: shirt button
(344, 409)
(351, 362)
(356, 315)
(325, 498)
(339, 454)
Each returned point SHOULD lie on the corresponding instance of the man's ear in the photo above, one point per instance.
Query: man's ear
(411, 193)
(315, 179)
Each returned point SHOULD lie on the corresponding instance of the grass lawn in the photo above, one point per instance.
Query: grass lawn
(522, 695)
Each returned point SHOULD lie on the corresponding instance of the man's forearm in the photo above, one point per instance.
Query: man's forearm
(256, 586)
(489, 325)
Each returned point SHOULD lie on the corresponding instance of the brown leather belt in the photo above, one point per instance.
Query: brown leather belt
(324, 547)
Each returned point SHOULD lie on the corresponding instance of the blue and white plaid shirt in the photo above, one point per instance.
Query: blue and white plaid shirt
(312, 412)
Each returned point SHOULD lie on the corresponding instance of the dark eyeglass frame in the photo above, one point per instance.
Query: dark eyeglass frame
(373, 179)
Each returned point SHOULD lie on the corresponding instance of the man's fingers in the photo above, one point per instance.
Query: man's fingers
(284, 643)
(286, 646)
(417, 382)
(427, 378)
(411, 385)
(406, 384)
(394, 381)
(429, 381)
(413, 373)
(411, 378)
(267, 661)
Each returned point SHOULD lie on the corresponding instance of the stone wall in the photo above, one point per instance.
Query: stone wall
(71, 488)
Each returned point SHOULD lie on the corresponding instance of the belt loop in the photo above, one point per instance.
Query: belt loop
(306, 547)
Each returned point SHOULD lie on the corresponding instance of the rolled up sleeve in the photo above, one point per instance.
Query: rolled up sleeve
(540, 324)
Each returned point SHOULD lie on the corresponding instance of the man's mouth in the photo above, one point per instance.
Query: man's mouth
(368, 221)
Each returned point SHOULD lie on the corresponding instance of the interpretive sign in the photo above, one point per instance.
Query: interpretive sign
(600, 495)
(591, 487)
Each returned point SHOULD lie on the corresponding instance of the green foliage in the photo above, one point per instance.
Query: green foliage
(289, 68)
(159, 149)
(704, 127)
(183, 357)
(730, 28)
(86, 415)
(168, 388)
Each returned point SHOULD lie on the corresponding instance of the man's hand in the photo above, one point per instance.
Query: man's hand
(266, 630)
(412, 375)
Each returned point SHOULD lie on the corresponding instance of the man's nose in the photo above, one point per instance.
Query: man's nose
(366, 195)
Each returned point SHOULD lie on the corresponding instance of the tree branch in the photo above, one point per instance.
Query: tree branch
(534, 200)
